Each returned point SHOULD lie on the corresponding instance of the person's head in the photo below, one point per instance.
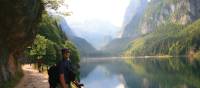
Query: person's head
(65, 53)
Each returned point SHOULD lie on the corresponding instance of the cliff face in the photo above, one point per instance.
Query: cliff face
(165, 11)
(162, 11)
(194, 9)
(164, 29)
(131, 28)
(132, 19)
(18, 20)
(130, 11)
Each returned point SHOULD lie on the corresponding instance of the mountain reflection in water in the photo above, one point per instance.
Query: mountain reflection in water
(100, 77)
(141, 73)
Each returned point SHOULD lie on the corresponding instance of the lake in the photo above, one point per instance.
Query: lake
(116, 72)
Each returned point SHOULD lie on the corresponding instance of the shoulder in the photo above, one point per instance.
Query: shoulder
(60, 63)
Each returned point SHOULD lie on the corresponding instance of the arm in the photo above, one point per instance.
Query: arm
(62, 81)
(61, 75)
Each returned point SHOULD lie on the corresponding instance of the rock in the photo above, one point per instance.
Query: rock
(18, 26)
(130, 28)
(162, 11)
(176, 11)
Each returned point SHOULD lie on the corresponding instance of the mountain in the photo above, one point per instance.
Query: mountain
(130, 29)
(132, 18)
(97, 32)
(155, 26)
(165, 11)
(131, 10)
(168, 39)
(167, 27)
(84, 47)
(116, 46)
(151, 15)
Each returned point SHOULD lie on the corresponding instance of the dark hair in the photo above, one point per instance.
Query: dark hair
(65, 50)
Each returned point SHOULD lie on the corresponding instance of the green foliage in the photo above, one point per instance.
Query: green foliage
(38, 48)
(167, 39)
(167, 72)
(165, 11)
(163, 71)
(50, 29)
(52, 3)
(49, 42)
(50, 57)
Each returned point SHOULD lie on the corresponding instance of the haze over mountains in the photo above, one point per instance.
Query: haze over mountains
(106, 36)
(97, 32)
(85, 48)
(140, 18)
(132, 18)
(148, 17)
(97, 21)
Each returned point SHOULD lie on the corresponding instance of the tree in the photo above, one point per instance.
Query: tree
(38, 49)
(50, 56)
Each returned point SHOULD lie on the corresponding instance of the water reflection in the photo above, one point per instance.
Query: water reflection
(169, 72)
(143, 73)
(100, 77)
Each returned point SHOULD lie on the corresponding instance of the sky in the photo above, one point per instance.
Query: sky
(97, 21)
(107, 10)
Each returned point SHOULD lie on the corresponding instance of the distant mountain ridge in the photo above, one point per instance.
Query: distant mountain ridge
(96, 32)
(84, 47)
(118, 45)
(165, 11)
(130, 29)
(151, 17)
(164, 29)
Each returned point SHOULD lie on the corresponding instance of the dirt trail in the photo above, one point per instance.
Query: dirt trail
(33, 79)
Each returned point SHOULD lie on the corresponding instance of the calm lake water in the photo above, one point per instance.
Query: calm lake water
(140, 73)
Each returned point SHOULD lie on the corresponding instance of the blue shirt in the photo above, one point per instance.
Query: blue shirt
(64, 67)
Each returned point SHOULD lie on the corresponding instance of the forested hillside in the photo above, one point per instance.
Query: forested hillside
(28, 33)
(168, 27)
(168, 39)
(49, 42)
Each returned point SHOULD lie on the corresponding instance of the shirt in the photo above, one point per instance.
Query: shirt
(64, 67)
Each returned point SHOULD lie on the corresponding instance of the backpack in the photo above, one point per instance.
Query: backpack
(53, 73)
(53, 76)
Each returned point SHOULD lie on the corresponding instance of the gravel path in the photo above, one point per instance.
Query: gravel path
(33, 79)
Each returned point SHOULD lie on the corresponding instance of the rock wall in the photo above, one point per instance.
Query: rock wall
(131, 25)
(18, 26)
(162, 11)
(194, 9)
